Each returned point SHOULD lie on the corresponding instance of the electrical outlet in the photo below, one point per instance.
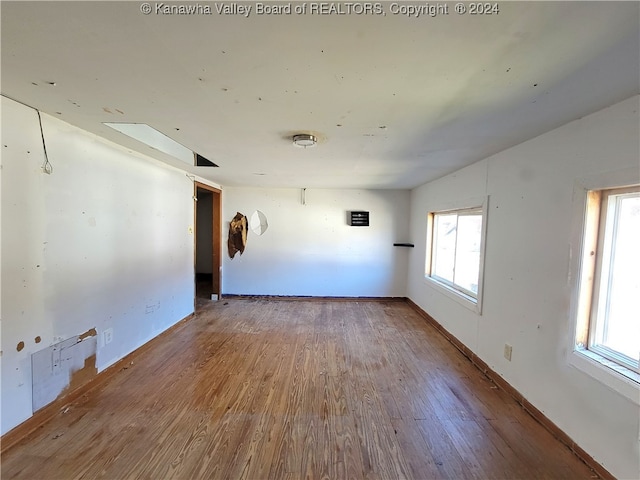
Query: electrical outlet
(108, 335)
(507, 351)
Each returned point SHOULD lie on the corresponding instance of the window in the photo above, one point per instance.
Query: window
(609, 322)
(454, 251)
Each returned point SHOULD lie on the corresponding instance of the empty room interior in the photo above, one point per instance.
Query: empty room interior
(320, 240)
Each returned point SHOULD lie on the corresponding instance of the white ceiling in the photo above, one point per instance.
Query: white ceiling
(395, 101)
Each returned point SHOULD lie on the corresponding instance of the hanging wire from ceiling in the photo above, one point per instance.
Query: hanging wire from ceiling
(193, 180)
(46, 166)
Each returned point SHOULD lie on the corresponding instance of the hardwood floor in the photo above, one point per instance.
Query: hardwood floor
(266, 388)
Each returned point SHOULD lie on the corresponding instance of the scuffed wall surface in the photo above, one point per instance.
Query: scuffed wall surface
(54, 369)
(105, 242)
(309, 248)
(527, 289)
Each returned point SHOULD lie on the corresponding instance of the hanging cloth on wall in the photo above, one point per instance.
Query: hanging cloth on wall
(237, 235)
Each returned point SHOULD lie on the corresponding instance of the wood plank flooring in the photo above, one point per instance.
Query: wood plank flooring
(318, 389)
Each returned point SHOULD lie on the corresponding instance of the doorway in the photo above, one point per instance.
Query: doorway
(208, 242)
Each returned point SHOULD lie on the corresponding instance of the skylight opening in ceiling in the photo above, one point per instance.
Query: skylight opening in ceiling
(157, 140)
(203, 162)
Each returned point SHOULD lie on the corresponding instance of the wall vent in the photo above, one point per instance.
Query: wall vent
(359, 219)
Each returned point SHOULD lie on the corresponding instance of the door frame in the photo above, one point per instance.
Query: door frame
(216, 236)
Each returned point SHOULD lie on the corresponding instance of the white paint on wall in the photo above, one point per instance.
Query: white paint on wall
(309, 249)
(103, 242)
(526, 295)
(53, 367)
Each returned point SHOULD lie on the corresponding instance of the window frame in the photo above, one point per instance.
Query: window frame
(602, 247)
(587, 196)
(452, 291)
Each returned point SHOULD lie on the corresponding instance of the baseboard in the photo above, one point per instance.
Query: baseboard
(517, 396)
(15, 435)
(310, 298)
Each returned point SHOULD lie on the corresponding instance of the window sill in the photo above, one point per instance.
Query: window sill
(620, 379)
(459, 297)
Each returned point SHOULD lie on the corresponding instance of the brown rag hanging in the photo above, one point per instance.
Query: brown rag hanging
(237, 235)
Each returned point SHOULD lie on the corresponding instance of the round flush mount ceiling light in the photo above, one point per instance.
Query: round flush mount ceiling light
(304, 140)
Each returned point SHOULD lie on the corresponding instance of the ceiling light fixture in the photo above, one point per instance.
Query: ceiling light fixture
(304, 140)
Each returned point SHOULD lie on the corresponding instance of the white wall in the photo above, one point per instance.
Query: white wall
(311, 250)
(527, 290)
(104, 242)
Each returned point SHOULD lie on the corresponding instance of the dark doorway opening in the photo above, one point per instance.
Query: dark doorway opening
(207, 242)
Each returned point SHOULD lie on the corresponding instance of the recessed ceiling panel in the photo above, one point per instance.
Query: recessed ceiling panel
(155, 139)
